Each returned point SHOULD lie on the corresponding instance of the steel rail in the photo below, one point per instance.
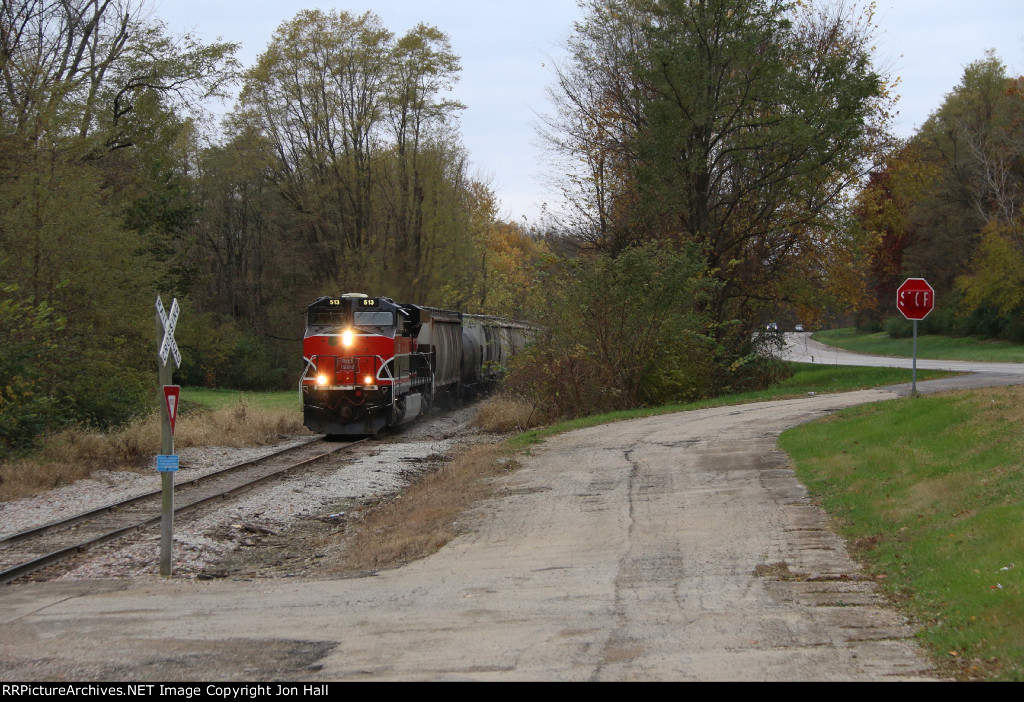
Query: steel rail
(24, 568)
(84, 516)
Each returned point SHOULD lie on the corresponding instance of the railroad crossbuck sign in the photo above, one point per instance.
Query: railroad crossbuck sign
(915, 298)
(169, 345)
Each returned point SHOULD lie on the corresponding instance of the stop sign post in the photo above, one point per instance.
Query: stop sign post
(915, 299)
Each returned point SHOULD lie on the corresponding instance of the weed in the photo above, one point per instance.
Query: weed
(426, 515)
(502, 414)
(76, 453)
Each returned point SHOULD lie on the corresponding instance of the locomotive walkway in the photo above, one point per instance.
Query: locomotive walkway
(678, 547)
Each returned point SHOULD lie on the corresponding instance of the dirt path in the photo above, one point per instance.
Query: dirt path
(674, 548)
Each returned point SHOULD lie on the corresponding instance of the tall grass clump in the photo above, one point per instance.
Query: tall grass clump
(75, 453)
(505, 413)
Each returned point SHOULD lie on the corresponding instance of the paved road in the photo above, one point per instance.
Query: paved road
(974, 374)
(672, 548)
(801, 347)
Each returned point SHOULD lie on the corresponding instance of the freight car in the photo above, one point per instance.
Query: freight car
(372, 362)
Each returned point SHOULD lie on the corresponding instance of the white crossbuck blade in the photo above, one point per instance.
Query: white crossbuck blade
(169, 345)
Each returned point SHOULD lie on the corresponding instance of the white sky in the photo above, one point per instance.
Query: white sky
(506, 50)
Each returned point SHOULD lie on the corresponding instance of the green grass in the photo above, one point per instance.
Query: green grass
(219, 399)
(930, 491)
(807, 378)
(944, 348)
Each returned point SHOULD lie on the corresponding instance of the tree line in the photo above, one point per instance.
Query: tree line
(338, 168)
(713, 149)
(946, 206)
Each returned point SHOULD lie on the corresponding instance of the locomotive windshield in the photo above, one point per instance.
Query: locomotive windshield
(376, 318)
(327, 318)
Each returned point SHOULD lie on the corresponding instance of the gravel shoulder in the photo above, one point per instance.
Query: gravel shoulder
(276, 531)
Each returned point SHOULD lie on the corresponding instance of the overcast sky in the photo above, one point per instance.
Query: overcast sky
(506, 50)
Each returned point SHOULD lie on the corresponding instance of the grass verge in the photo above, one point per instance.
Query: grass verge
(943, 348)
(807, 378)
(930, 493)
(288, 400)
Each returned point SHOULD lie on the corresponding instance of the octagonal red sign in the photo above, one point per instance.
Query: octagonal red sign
(915, 298)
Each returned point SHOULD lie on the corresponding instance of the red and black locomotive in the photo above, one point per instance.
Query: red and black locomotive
(372, 362)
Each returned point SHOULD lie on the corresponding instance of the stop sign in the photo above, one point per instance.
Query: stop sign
(915, 298)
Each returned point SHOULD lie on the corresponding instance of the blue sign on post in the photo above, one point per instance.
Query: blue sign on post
(167, 464)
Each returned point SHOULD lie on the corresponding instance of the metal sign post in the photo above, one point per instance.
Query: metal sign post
(167, 462)
(915, 299)
(913, 376)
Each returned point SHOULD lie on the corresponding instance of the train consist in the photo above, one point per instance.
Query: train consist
(372, 362)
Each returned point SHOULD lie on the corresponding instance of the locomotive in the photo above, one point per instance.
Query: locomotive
(372, 362)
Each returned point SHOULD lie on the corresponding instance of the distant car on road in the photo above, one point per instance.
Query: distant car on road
(772, 327)
(799, 327)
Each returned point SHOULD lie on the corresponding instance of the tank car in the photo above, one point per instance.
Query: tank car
(372, 362)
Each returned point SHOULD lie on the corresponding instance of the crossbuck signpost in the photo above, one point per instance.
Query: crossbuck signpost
(167, 461)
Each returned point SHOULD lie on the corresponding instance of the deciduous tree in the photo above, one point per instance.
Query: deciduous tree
(741, 127)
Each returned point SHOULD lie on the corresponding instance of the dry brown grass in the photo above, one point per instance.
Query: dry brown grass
(503, 414)
(424, 517)
(74, 454)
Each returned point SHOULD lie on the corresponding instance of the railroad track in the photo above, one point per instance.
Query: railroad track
(30, 550)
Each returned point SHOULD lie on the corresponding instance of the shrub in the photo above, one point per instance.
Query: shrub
(620, 331)
(899, 328)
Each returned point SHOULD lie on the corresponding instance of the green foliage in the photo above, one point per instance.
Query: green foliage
(738, 127)
(102, 391)
(899, 328)
(973, 144)
(993, 291)
(735, 128)
(51, 376)
(947, 208)
(364, 156)
(619, 332)
(218, 352)
(92, 177)
(757, 121)
(27, 345)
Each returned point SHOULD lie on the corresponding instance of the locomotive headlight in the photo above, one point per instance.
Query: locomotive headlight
(347, 337)
(368, 380)
(321, 380)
